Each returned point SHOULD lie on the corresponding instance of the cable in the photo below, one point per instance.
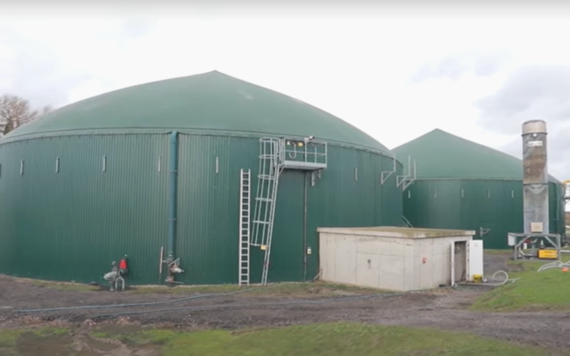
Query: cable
(129, 305)
(326, 300)
(221, 306)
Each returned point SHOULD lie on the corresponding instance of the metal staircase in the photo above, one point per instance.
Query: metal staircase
(406, 222)
(275, 155)
(244, 215)
(270, 168)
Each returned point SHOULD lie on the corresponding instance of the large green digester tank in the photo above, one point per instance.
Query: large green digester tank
(153, 171)
(464, 185)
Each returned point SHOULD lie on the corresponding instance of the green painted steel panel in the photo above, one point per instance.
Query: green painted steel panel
(340, 200)
(208, 207)
(464, 185)
(212, 102)
(69, 222)
(496, 205)
(442, 155)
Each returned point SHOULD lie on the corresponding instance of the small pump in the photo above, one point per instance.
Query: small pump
(115, 277)
(173, 268)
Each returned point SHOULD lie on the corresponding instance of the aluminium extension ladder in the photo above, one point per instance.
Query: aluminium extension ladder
(245, 187)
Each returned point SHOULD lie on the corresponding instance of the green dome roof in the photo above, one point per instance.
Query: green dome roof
(439, 154)
(212, 102)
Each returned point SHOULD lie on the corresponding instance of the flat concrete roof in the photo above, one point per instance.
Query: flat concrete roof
(396, 231)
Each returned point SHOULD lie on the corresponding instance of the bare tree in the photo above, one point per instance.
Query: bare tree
(16, 111)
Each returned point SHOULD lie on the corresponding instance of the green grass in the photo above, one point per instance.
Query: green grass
(498, 252)
(9, 338)
(533, 291)
(326, 339)
(316, 340)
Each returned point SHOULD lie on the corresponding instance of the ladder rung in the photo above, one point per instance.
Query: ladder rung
(264, 199)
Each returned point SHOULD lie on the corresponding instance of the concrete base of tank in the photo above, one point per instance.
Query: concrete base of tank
(394, 258)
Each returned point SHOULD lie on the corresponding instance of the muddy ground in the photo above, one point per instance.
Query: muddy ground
(445, 309)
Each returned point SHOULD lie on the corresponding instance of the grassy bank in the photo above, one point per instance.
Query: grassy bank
(532, 291)
(315, 340)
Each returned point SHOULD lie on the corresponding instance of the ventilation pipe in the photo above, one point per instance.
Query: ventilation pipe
(535, 178)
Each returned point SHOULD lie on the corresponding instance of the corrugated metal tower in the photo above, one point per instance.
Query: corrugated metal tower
(535, 178)
(156, 172)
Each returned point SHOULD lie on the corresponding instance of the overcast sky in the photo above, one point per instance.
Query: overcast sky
(395, 72)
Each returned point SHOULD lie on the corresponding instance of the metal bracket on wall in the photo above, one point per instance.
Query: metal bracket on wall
(386, 174)
(314, 176)
(404, 181)
(483, 231)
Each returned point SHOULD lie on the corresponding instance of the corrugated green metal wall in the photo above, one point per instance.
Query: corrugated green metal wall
(71, 224)
(496, 205)
(69, 220)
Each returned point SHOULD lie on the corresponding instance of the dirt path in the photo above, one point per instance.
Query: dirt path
(444, 309)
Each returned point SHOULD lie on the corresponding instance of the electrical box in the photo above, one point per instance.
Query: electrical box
(474, 260)
(548, 254)
(536, 227)
(511, 240)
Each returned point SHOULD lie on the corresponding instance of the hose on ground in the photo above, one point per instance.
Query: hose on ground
(250, 304)
(554, 264)
(106, 306)
(505, 280)
(302, 301)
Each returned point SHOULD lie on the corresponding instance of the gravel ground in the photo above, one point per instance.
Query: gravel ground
(444, 309)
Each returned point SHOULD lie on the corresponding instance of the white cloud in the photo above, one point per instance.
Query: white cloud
(355, 62)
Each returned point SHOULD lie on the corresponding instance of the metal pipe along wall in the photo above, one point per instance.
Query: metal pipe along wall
(173, 193)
